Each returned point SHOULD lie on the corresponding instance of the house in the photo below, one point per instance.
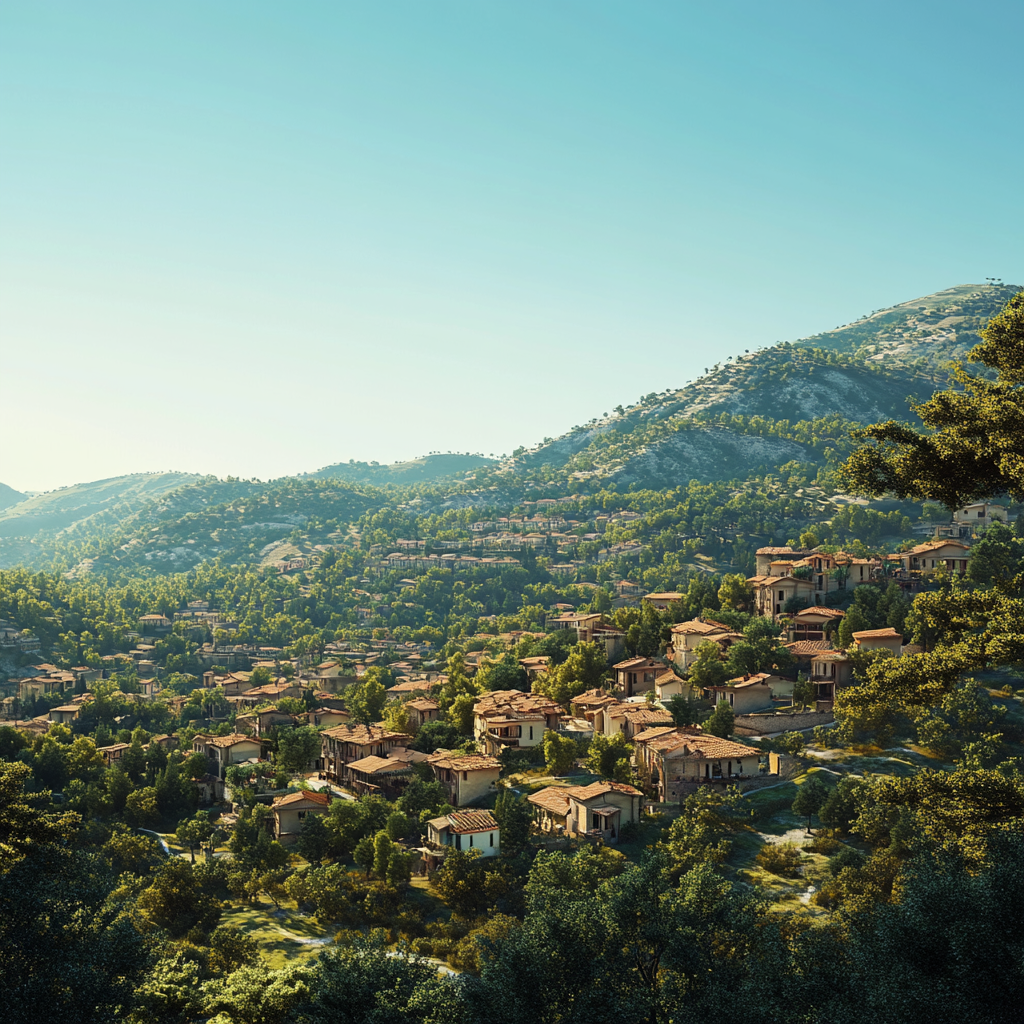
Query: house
(421, 710)
(166, 740)
(878, 639)
(154, 623)
(597, 811)
(325, 717)
(745, 694)
(662, 601)
(688, 636)
(635, 718)
(764, 557)
(772, 593)
(343, 744)
(830, 671)
(291, 811)
(462, 830)
(981, 513)
(535, 666)
(933, 556)
(678, 761)
(224, 751)
(467, 777)
(814, 623)
(385, 776)
(275, 691)
(667, 685)
(511, 718)
(259, 722)
(65, 713)
(113, 753)
(636, 675)
(149, 688)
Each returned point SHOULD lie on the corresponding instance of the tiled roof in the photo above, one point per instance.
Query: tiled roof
(349, 733)
(653, 732)
(472, 821)
(600, 789)
(553, 798)
(834, 613)
(424, 704)
(314, 796)
(702, 745)
(805, 647)
(374, 765)
(228, 741)
(877, 634)
(464, 762)
(643, 715)
(696, 626)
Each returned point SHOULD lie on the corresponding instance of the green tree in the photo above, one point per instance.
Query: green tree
(853, 622)
(972, 445)
(314, 842)
(997, 560)
(682, 709)
(736, 593)
(721, 721)
(760, 650)
(803, 690)
(560, 752)
(365, 700)
(514, 817)
(708, 669)
(176, 902)
(609, 756)
(297, 748)
(810, 798)
(582, 670)
(365, 854)
(194, 832)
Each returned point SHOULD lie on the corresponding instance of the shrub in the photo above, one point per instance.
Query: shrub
(846, 857)
(792, 743)
(780, 859)
(825, 842)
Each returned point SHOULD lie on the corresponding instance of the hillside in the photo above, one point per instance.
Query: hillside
(784, 411)
(9, 496)
(426, 470)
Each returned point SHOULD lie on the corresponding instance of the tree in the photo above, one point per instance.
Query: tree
(514, 817)
(297, 748)
(735, 592)
(708, 669)
(459, 882)
(176, 901)
(22, 826)
(609, 756)
(504, 674)
(760, 650)
(560, 752)
(810, 798)
(972, 445)
(365, 700)
(398, 827)
(436, 735)
(582, 670)
(997, 560)
(141, 807)
(721, 721)
(803, 690)
(853, 622)
(313, 843)
(194, 832)
(365, 853)
(682, 709)
(396, 717)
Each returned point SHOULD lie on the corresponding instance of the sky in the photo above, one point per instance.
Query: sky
(257, 238)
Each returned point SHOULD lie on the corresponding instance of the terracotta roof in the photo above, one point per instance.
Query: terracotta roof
(702, 745)
(934, 545)
(641, 714)
(424, 704)
(652, 733)
(696, 626)
(384, 765)
(312, 795)
(349, 733)
(595, 698)
(228, 741)
(553, 798)
(834, 613)
(877, 634)
(464, 762)
(600, 789)
(805, 647)
(472, 821)
(776, 551)
(669, 595)
(741, 681)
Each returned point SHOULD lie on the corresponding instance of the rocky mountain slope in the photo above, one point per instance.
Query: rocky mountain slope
(9, 496)
(425, 470)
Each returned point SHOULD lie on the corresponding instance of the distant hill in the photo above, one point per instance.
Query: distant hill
(428, 469)
(63, 508)
(771, 411)
(859, 373)
(9, 496)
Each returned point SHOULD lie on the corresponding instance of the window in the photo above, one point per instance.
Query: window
(491, 834)
(470, 840)
(531, 732)
(465, 776)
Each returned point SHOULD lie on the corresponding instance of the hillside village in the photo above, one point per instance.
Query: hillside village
(406, 725)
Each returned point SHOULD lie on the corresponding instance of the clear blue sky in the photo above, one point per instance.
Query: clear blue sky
(258, 238)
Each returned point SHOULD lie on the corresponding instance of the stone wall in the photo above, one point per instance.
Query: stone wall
(771, 725)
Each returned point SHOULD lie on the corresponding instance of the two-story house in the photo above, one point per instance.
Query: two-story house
(224, 751)
(467, 778)
(597, 811)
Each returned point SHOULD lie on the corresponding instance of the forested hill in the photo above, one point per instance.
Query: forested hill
(9, 496)
(428, 469)
(788, 403)
(784, 411)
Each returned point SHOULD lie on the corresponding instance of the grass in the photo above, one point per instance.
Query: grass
(279, 933)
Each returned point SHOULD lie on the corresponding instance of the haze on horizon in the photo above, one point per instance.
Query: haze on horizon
(254, 240)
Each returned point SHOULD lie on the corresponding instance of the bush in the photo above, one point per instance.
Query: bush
(791, 743)
(846, 857)
(825, 842)
(780, 859)
(824, 736)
